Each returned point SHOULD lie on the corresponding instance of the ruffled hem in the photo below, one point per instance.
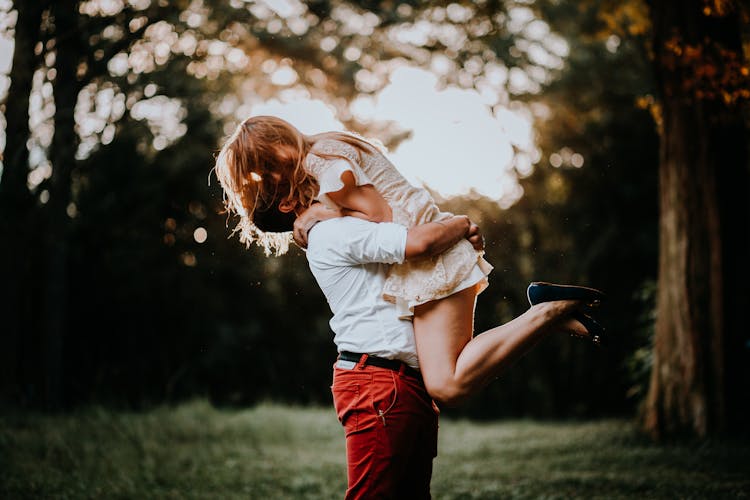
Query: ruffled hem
(478, 275)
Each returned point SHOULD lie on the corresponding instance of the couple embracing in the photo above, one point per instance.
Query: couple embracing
(401, 279)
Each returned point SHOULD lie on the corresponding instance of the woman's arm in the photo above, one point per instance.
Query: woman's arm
(315, 213)
(434, 238)
(361, 201)
(426, 240)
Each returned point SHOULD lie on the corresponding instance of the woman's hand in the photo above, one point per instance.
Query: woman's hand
(307, 219)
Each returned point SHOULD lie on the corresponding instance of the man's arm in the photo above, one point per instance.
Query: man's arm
(366, 241)
(433, 238)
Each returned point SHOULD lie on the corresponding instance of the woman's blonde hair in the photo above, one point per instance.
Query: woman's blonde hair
(263, 163)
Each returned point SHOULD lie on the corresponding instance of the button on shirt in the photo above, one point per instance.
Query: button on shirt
(349, 258)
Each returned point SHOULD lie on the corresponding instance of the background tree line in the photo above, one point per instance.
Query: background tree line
(108, 296)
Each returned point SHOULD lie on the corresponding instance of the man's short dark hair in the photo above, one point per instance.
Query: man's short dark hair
(270, 219)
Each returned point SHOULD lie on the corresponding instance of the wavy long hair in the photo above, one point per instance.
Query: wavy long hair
(263, 163)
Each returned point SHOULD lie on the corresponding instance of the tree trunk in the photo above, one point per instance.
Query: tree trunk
(57, 231)
(16, 202)
(697, 376)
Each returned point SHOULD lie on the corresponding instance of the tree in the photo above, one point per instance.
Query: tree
(114, 224)
(699, 381)
(81, 49)
(72, 45)
(16, 202)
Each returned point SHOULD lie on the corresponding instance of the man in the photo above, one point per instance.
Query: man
(390, 420)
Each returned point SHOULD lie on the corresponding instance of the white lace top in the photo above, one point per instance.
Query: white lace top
(411, 283)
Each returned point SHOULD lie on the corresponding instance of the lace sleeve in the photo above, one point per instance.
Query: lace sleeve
(328, 170)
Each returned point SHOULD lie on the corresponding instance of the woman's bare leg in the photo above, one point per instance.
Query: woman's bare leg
(454, 365)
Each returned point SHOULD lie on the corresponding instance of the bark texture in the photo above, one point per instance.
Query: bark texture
(15, 198)
(57, 231)
(697, 375)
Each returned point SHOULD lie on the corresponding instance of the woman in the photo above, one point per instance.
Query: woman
(268, 168)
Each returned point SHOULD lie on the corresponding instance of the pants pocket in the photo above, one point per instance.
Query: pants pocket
(350, 399)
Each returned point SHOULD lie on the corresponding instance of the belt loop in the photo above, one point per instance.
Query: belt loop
(362, 361)
(402, 369)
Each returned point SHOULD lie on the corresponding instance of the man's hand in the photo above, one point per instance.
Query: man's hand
(474, 235)
(307, 219)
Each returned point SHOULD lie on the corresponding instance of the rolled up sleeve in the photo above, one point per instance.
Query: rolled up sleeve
(370, 242)
(349, 241)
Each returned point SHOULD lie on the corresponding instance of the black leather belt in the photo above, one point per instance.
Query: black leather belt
(391, 364)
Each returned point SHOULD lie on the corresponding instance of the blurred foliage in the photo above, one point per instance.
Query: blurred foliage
(595, 224)
(155, 316)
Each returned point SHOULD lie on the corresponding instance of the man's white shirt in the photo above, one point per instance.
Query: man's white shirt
(350, 258)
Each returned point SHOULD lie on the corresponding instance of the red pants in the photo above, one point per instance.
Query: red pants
(391, 426)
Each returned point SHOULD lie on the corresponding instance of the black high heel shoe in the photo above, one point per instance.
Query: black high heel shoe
(597, 334)
(540, 291)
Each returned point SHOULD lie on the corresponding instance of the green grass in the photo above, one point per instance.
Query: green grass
(268, 452)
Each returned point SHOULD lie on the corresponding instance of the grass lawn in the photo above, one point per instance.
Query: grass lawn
(270, 451)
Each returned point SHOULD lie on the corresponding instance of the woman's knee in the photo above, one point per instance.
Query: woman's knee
(447, 392)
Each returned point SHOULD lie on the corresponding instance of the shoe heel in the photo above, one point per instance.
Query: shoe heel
(597, 333)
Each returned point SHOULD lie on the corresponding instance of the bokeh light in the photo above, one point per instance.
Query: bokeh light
(200, 234)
